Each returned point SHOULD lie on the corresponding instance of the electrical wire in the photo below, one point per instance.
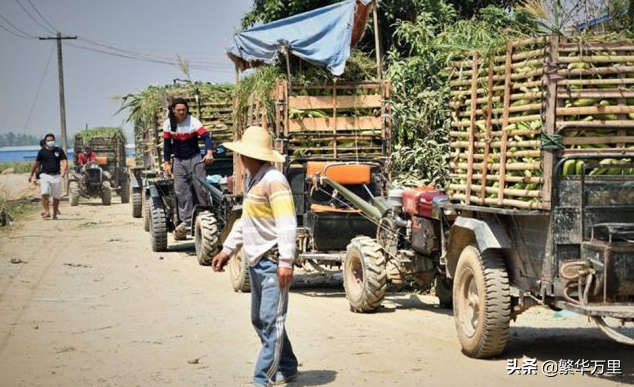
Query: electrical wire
(16, 28)
(13, 33)
(40, 15)
(146, 59)
(33, 18)
(150, 55)
(39, 88)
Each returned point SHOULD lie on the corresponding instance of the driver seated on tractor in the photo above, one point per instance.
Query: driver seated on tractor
(181, 132)
(87, 156)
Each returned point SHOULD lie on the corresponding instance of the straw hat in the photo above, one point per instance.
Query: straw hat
(255, 143)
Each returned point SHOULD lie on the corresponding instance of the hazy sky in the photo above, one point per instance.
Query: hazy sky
(195, 29)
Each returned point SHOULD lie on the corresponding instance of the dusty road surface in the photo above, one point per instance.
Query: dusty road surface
(91, 305)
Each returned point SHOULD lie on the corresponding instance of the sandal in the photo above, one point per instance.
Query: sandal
(46, 216)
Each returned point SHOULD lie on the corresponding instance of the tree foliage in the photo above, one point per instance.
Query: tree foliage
(18, 139)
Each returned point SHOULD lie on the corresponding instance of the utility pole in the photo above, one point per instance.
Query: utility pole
(60, 74)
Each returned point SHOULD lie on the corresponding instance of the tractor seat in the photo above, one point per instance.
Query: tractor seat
(323, 208)
(346, 174)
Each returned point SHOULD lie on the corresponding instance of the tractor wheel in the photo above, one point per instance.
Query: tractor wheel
(364, 275)
(158, 225)
(206, 237)
(145, 203)
(239, 273)
(481, 303)
(137, 205)
(73, 193)
(124, 190)
(106, 193)
(444, 291)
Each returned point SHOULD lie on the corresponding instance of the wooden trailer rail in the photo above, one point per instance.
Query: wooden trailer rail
(507, 103)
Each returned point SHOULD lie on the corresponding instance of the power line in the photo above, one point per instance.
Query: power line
(13, 33)
(144, 58)
(153, 56)
(33, 18)
(16, 28)
(39, 88)
(43, 18)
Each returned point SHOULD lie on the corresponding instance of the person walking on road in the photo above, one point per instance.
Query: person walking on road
(268, 221)
(53, 163)
(181, 132)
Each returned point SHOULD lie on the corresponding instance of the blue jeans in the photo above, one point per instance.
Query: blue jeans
(268, 314)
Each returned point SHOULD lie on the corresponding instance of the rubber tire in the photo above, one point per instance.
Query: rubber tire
(106, 193)
(158, 226)
(444, 291)
(364, 275)
(146, 212)
(137, 205)
(206, 237)
(485, 273)
(73, 193)
(124, 190)
(239, 273)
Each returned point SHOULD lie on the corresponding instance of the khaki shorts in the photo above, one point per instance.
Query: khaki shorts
(51, 185)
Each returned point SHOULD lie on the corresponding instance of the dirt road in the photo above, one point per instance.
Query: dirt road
(92, 305)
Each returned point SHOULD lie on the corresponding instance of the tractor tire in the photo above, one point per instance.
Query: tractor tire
(106, 193)
(124, 191)
(137, 205)
(364, 275)
(444, 291)
(158, 226)
(206, 237)
(481, 303)
(239, 273)
(145, 203)
(73, 193)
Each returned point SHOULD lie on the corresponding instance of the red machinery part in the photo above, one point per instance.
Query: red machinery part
(418, 201)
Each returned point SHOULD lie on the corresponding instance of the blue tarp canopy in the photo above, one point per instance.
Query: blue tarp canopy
(322, 37)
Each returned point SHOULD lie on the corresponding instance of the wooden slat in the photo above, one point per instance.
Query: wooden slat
(497, 167)
(526, 75)
(597, 71)
(515, 86)
(589, 82)
(498, 144)
(505, 202)
(525, 193)
(472, 124)
(601, 94)
(575, 47)
(328, 124)
(340, 85)
(510, 179)
(512, 109)
(597, 140)
(524, 153)
(608, 124)
(597, 59)
(591, 110)
(511, 120)
(342, 102)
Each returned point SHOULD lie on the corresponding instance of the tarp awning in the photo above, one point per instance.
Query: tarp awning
(322, 37)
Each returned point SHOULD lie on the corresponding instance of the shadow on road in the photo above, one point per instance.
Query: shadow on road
(313, 378)
(574, 344)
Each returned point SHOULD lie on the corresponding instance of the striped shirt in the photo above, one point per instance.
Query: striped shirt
(268, 219)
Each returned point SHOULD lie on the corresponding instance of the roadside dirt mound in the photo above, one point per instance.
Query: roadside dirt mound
(16, 186)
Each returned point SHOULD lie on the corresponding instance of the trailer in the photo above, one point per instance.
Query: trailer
(540, 206)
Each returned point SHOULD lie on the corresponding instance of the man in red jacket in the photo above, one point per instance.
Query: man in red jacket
(87, 156)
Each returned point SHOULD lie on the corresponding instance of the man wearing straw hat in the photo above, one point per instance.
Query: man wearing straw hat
(268, 220)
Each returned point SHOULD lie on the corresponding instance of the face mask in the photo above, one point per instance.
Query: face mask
(50, 144)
